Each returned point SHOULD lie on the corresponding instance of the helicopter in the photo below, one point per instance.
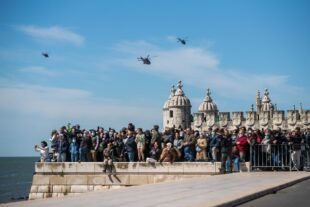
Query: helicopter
(145, 60)
(45, 54)
(182, 41)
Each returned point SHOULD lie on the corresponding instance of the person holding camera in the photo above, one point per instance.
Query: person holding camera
(43, 149)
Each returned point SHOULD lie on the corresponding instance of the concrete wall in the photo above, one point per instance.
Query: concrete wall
(60, 179)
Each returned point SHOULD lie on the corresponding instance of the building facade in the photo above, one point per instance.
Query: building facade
(177, 112)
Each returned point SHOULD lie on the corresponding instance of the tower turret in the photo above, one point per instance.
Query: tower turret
(258, 102)
(177, 109)
(207, 105)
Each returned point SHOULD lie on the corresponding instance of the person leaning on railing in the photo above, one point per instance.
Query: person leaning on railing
(253, 140)
(296, 141)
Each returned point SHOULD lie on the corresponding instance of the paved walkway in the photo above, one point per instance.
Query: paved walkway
(210, 191)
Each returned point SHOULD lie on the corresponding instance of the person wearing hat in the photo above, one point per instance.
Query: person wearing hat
(156, 136)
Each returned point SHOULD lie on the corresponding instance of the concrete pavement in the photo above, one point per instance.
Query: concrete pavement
(296, 195)
(219, 190)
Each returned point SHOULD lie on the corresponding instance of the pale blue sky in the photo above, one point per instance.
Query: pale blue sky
(93, 77)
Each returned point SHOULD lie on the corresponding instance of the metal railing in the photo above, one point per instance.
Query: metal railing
(280, 157)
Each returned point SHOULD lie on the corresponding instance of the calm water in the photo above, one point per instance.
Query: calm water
(15, 177)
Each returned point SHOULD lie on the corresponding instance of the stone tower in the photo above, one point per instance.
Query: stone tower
(207, 105)
(177, 109)
(266, 105)
(207, 115)
(258, 102)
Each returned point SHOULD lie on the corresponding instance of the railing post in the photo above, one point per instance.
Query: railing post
(250, 164)
(290, 158)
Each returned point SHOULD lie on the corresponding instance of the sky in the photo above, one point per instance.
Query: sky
(92, 76)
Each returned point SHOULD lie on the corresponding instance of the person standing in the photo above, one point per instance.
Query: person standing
(242, 144)
(94, 145)
(74, 150)
(140, 141)
(189, 145)
(84, 149)
(215, 145)
(201, 147)
(61, 148)
(226, 150)
(156, 136)
(296, 140)
(178, 143)
(131, 146)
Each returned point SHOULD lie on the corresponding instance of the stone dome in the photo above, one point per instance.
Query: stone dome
(177, 98)
(179, 101)
(266, 102)
(207, 104)
(166, 105)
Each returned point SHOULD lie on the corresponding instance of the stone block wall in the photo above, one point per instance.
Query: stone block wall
(61, 179)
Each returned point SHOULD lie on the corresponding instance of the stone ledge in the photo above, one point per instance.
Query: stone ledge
(132, 168)
(55, 183)
(80, 188)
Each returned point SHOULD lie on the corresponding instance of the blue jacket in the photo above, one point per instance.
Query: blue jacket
(214, 142)
(74, 148)
(130, 144)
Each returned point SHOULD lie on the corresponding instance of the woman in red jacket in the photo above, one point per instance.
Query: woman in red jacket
(242, 144)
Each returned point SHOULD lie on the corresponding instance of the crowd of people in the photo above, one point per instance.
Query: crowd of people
(130, 144)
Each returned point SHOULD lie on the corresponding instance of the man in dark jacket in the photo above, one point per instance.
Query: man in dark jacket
(226, 150)
(214, 145)
(131, 146)
(61, 148)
